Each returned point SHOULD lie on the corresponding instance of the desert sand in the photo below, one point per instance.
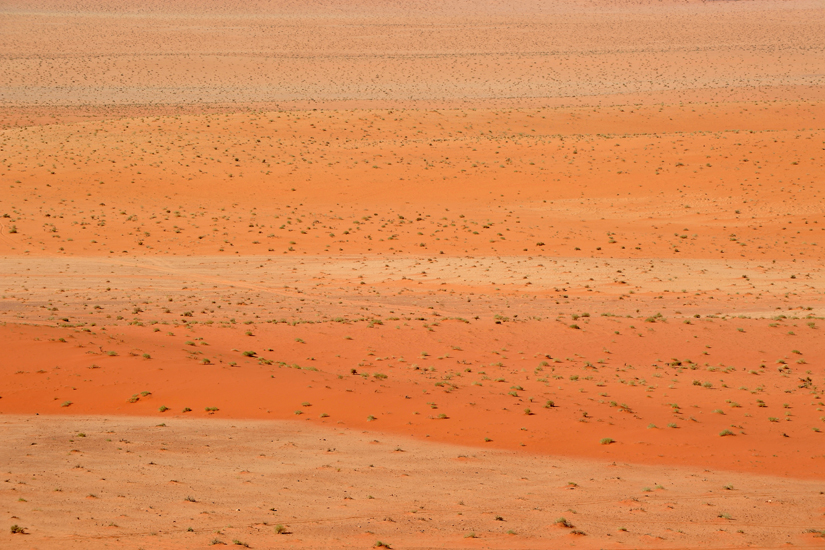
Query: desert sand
(132, 483)
(430, 274)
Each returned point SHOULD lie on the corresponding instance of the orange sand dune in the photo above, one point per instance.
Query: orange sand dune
(664, 393)
(461, 350)
(716, 182)
(538, 259)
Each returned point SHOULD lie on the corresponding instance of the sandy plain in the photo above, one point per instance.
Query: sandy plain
(134, 482)
(503, 250)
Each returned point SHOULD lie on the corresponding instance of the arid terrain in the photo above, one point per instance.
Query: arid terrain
(435, 275)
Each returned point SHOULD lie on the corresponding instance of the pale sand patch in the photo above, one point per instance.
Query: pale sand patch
(96, 482)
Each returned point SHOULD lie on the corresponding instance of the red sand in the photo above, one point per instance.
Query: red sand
(421, 221)
(624, 386)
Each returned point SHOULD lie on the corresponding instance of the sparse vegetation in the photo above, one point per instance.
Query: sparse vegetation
(249, 222)
(562, 522)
